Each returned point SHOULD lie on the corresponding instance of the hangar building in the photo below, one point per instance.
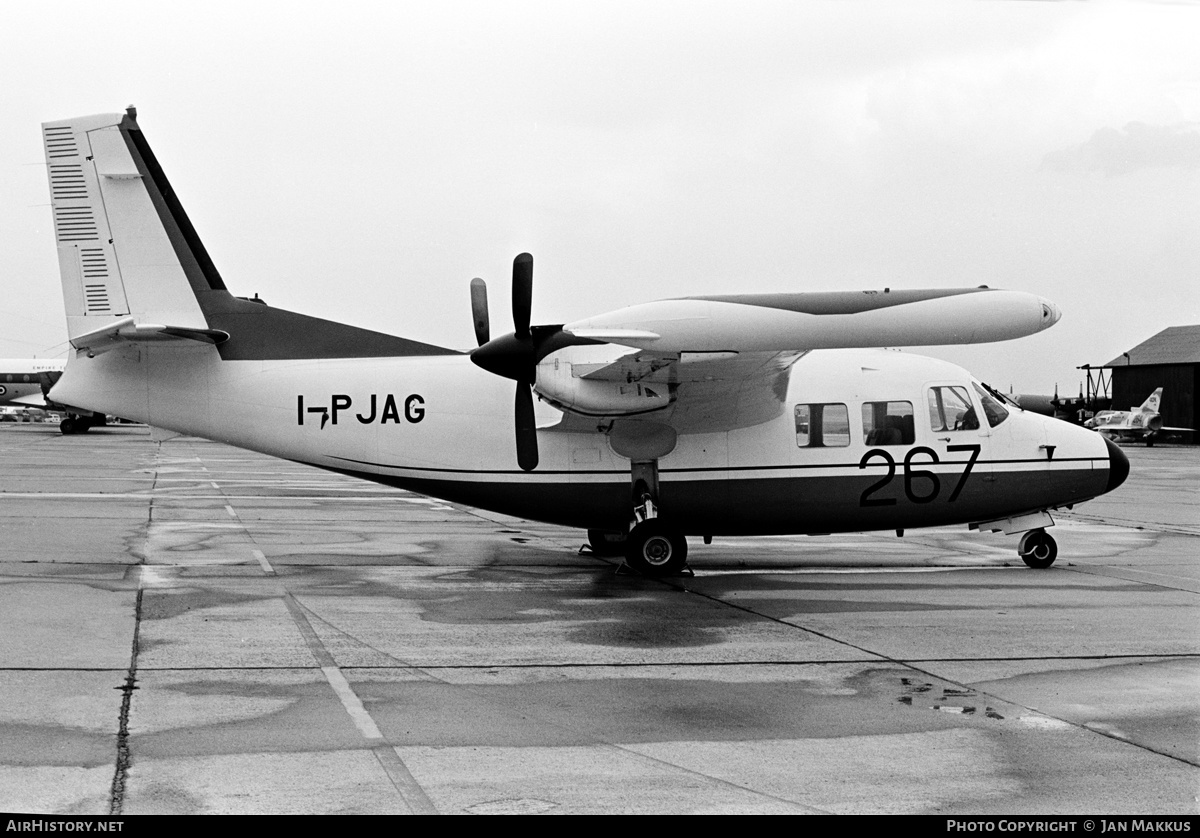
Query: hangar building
(1171, 360)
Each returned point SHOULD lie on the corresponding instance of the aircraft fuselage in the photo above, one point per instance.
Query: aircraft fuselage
(441, 426)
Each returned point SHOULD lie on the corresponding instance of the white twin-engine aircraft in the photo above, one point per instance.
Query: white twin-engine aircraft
(720, 415)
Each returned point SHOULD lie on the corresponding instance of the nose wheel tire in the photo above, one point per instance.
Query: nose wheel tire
(653, 549)
(1038, 549)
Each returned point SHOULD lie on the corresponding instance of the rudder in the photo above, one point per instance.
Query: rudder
(116, 259)
(1151, 404)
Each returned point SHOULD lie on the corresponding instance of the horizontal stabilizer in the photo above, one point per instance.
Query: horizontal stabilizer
(128, 331)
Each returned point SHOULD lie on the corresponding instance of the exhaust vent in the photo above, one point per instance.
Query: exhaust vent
(60, 142)
(75, 224)
(96, 299)
(101, 286)
(93, 263)
(67, 182)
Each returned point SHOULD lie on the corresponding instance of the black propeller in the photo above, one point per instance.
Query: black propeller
(479, 310)
(514, 355)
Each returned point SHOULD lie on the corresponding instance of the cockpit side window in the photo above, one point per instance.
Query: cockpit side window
(950, 409)
(888, 423)
(822, 425)
(992, 409)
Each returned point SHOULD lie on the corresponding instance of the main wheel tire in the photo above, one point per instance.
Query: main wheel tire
(1038, 549)
(605, 543)
(654, 549)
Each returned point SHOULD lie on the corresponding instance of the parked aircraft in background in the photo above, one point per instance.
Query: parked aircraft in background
(1074, 409)
(25, 383)
(1144, 423)
(1044, 405)
(718, 415)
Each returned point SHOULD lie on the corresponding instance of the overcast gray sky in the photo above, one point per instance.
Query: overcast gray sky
(361, 161)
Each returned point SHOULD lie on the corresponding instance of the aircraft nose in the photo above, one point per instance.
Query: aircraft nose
(1050, 313)
(1118, 465)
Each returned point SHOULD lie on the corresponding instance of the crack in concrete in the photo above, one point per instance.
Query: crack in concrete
(120, 774)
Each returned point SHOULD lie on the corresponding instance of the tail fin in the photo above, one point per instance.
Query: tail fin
(118, 265)
(1151, 404)
(134, 269)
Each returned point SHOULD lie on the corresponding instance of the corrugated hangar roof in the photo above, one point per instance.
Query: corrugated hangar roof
(1174, 345)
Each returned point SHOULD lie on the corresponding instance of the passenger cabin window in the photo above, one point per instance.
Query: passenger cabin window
(992, 409)
(888, 423)
(950, 409)
(822, 426)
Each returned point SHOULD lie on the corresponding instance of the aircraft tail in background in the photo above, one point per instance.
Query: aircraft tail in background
(1151, 404)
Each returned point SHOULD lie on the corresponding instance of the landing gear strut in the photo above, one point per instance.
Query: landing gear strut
(653, 547)
(1038, 549)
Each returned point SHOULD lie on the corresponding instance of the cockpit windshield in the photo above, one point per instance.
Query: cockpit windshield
(992, 408)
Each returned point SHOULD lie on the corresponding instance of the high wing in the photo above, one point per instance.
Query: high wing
(705, 364)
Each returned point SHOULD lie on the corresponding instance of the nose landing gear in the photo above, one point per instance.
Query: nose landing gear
(1038, 549)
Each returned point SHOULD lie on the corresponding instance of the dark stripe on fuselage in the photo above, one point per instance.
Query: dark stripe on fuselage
(257, 331)
(837, 302)
(763, 505)
(694, 470)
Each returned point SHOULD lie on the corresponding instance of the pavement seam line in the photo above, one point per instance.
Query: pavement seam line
(912, 665)
(116, 799)
(401, 778)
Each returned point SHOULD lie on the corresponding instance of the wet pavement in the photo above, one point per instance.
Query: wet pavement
(191, 628)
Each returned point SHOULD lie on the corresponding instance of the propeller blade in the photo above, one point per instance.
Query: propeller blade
(479, 311)
(522, 294)
(527, 446)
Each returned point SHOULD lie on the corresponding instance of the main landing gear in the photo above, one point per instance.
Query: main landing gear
(1038, 549)
(652, 547)
(655, 549)
(73, 423)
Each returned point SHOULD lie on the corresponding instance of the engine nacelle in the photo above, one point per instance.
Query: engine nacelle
(558, 384)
